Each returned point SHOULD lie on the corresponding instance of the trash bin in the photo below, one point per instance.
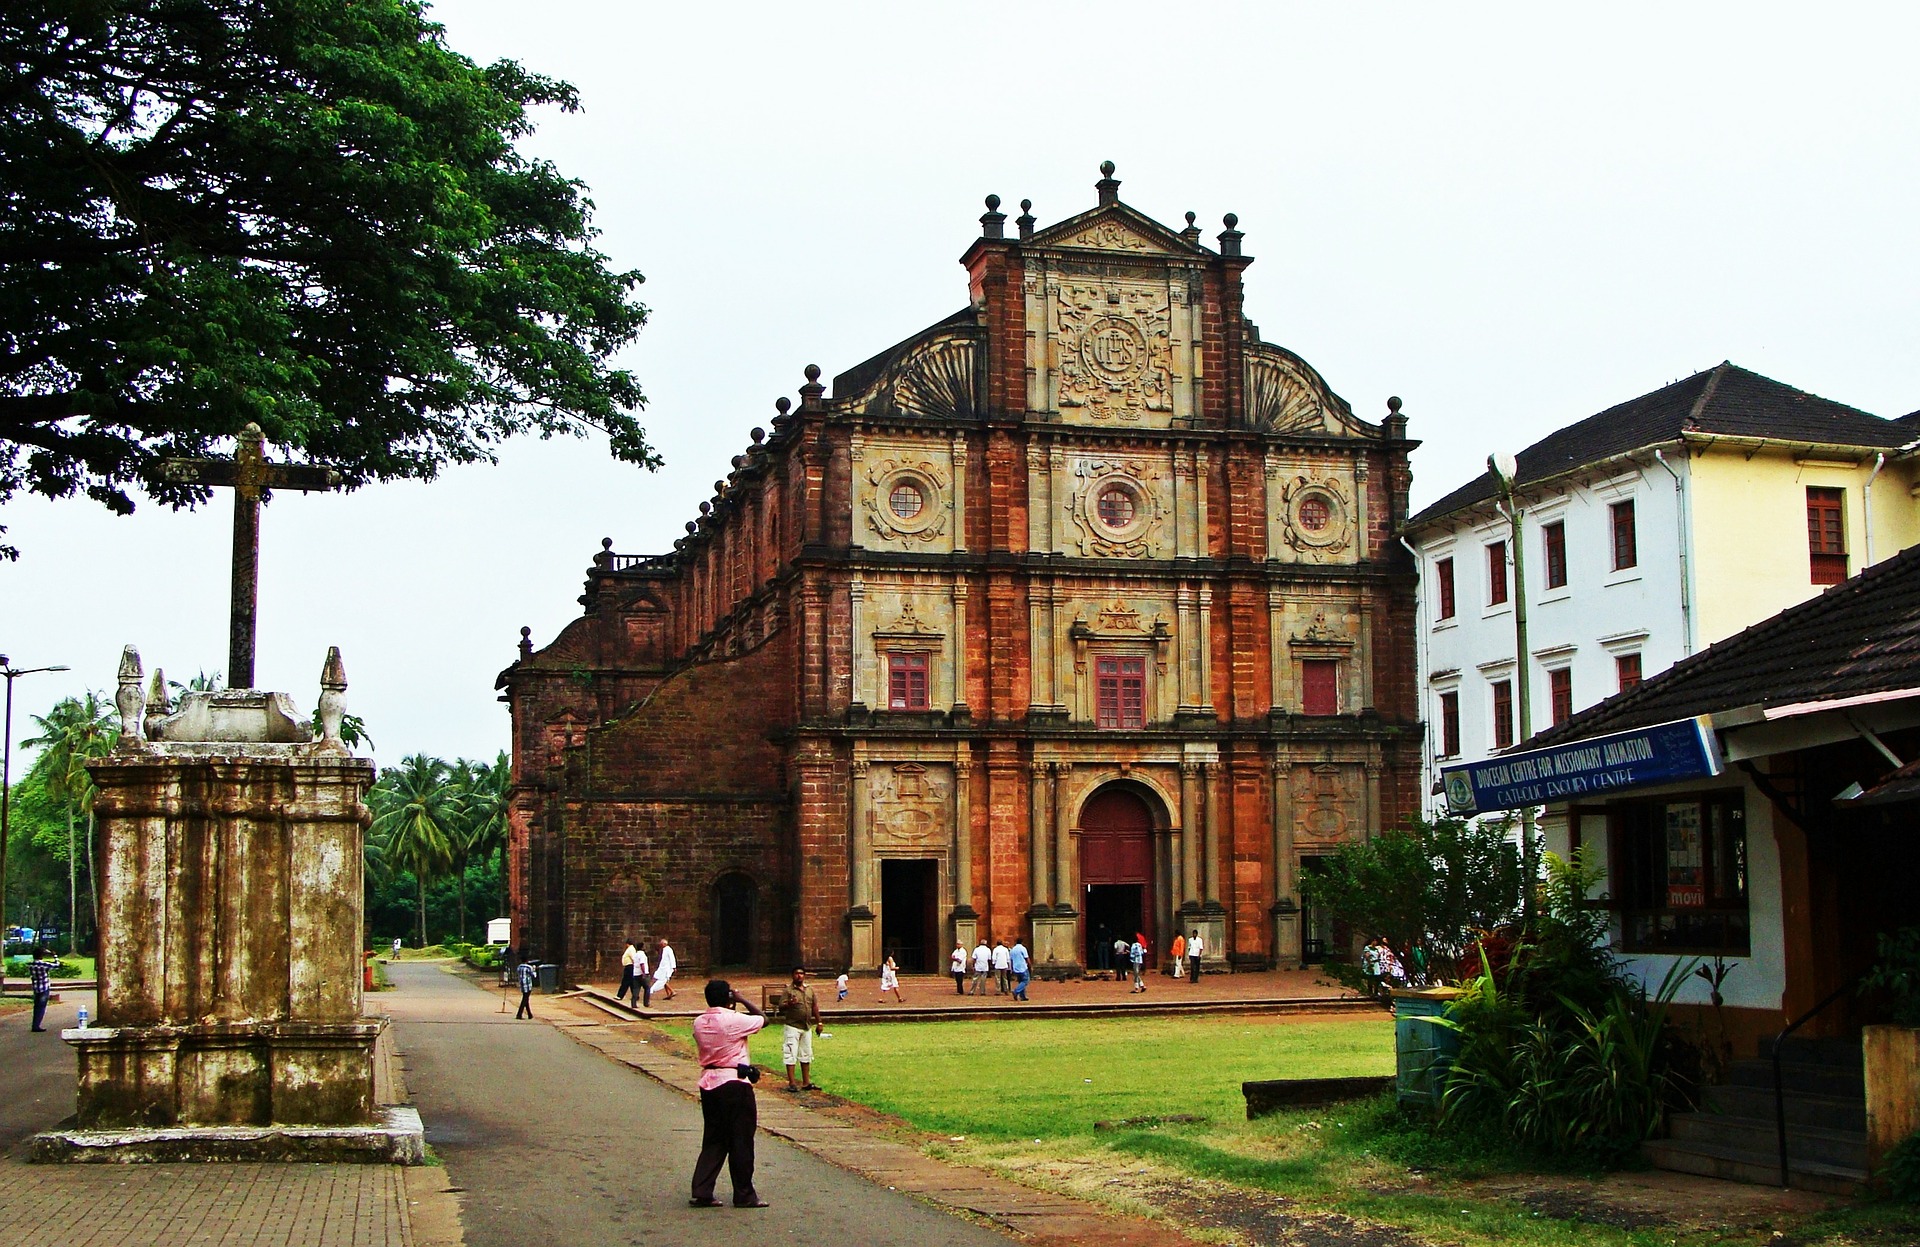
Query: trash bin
(549, 978)
(1422, 1050)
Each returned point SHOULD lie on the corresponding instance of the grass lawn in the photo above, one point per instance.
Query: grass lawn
(1021, 1098)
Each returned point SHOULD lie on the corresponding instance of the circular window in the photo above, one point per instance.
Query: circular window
(906, 500)
(1116, 507)
(1315, 513)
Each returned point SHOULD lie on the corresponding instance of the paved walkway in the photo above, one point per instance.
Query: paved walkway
(168, 1205)
(548, 1142)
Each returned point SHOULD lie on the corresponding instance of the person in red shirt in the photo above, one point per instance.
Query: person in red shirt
(727, 1108)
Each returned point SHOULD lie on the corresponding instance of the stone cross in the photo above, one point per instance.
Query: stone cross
(248, 474)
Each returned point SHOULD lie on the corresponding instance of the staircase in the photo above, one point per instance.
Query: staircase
(1733, 1136)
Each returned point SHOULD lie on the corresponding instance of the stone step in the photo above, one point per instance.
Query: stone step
(1759, 1136)
(1825, 1112)
(1804, 1077)
(1840, 1053)
(1737, 1165)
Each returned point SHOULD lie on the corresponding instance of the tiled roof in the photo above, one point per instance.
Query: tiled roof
(1727, 400)
(1861, 636)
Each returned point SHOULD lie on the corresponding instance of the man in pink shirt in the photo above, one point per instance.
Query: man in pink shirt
(726, 1096)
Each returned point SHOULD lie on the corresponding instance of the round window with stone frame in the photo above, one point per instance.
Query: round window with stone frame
(908, 503)
(1317, 517)
(1119, 508)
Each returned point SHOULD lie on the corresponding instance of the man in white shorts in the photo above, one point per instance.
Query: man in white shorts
(801, 1013)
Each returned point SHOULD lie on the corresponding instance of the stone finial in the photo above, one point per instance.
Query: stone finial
(1025, 219)
(159, 702)
(1108, 187)
(128, 698)
(692, 528)
(993, 222)
(1393, 404)
(1230, 237)
(1396, 420)
(1192, 232)
(526, 642)
(812, 392)
(758, 435)
(333, 698)
(706, 508)
(605, 556)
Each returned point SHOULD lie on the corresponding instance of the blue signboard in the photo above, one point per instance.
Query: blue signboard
(1666, 753)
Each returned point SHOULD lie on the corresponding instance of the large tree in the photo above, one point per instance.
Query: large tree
(309, 214)
(416, 815)
(73, 733)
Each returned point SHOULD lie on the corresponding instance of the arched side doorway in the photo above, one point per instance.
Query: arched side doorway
(736, 905)
(1117, 827)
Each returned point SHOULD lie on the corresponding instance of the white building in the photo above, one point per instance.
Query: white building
(1649, 531)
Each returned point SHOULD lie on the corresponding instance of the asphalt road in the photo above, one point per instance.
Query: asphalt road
(552, 1144)
(39, 1069)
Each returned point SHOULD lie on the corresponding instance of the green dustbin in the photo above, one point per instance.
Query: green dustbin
(1422, 1051)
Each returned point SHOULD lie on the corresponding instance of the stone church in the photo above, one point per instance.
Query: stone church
(1075, 614)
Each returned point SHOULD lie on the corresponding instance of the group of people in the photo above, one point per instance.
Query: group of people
(1130, 957)
(1011, 968)
(641, 978)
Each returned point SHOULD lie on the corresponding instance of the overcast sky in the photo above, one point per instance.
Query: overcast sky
(1511, 216)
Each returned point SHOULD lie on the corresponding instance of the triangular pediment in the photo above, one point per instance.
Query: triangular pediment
(1117, 228)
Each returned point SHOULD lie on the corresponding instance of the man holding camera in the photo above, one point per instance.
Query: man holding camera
(727, 1108)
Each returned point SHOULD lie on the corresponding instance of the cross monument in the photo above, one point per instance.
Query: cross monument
(248, 474)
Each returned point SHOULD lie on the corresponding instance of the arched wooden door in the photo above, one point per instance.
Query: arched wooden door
(1116, 869)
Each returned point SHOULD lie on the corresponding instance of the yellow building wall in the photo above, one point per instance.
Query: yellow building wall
(1749, 513)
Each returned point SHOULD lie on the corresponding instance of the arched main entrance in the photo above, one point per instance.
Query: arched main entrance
(1116, 868)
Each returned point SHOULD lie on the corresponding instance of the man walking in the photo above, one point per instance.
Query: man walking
(801, 1014)
(982, 962)
(40, 972)
(1137, 958)
(1022, 968)
(727, 1110)
(664, 966)
(1002, 968)
(642, 975)
(1196, 948)
(528, 974)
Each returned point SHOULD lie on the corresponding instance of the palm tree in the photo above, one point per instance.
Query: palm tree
(416, 814)
(76, 730)
(486, 807)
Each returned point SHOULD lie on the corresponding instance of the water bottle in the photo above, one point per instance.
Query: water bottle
(83, 1017)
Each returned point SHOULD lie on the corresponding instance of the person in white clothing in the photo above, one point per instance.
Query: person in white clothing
(626, 973)
(957, 967)
(1002, 968)
(982, 964)
(1196, 948)
(642, 976)
(665, 965)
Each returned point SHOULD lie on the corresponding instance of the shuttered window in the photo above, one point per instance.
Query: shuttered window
(1120, 692)
(1319, 686)
(1826, 535)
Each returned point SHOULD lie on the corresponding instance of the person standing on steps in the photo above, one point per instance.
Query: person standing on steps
(957, 966)
(664, 966)
(800, 1012)
(1196, 949)
(527, 974)
(728, 1113)
(982, 963)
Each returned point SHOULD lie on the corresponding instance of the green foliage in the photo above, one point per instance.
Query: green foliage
(457, 812)
(1558, 1048)
(306, 214)
(1429, 890)
(1901, 1170)
(57, 798)
(1897, 972)
(63, 969)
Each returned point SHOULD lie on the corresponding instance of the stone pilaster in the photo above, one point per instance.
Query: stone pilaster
(1285, 911)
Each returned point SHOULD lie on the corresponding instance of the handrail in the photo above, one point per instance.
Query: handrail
(1779, 1092)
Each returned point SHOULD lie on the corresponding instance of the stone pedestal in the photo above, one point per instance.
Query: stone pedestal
(1213, 928)
(230, 937)
(1056, 942)
(864, 939)
(966, 929)
(1286, 935)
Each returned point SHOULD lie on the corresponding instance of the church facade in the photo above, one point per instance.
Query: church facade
(1075, 614)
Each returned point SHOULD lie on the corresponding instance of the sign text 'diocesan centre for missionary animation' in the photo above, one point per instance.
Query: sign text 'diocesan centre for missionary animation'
(1666, 753)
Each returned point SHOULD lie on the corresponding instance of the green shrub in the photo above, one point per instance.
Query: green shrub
(1902, 1170)
(1897, 973)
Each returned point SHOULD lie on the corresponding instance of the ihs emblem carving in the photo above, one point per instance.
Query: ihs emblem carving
(1114, 350)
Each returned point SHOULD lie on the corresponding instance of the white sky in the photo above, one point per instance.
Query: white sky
(1512, 216)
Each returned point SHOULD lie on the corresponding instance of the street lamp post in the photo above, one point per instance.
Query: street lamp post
(1505, 469)
(6, 777)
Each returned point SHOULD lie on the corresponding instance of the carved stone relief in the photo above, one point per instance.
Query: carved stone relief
(1116, 507)
(1114, 344)
(907, 499)
(1316, 519)
(1329, 802)
(1110, 236)
(910, 807)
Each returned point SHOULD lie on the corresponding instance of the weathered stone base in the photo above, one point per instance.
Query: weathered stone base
(1276, 1095)
(396, 1139)
(226, 1074)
